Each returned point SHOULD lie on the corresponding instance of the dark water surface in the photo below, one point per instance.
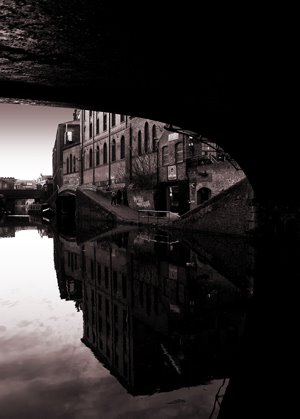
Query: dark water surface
(134, 324)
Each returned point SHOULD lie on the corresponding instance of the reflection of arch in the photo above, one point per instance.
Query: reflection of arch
(113, 150)
(203, 195)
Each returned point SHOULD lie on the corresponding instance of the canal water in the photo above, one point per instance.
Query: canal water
(127, 324)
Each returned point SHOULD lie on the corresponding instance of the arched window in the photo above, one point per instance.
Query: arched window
(97, 125)
(97, 156)
(122, 149)
(139, 143)
(71, 164)
(105, 153)
(91, 158)
(74, 164)
(68, 165)
(154, 138)
(146, 137)
(113, 150)
(104, 122)
(179, 152)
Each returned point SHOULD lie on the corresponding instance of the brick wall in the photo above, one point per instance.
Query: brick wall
(217, 177)
(230, 212)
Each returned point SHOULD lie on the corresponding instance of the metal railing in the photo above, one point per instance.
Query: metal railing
(151, 216)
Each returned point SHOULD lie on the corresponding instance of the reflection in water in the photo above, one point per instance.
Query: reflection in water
(161, 315)
(155, 313)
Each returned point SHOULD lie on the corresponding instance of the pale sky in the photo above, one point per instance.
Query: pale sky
(27, 135)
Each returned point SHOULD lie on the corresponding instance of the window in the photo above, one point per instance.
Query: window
(71, 163)
(105, 153)
(91, 158)
(74, 164)
(154, 138)
(113, 119)
(179, 152)
(122, 149)
(165, 155)
(97, 125)
(113, 150)
(68, 165)
(139, 143)
(97, 156)
(122, 118)
(104, 121)
(146, 137)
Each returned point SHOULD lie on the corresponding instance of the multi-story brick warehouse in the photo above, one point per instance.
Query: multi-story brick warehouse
(112, 147)
(162, 170)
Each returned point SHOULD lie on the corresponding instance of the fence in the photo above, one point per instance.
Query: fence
(156, 217)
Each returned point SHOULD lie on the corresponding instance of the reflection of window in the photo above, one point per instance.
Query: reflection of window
(113, 150)
(97, 126)
(146, 137)
(105, 153)
(122, 118)
(165, 155)
(179, 152)
(113, 119)
(139, 143)
(97, 156)
(91, 158)
(115, 282)
(122, 149)
(91, 130)
(106, 276)
(154, 144)
(124, 286)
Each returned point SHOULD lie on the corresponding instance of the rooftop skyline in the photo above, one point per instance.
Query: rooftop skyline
(27, 136)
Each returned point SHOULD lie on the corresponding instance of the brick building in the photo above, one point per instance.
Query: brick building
(161, 168)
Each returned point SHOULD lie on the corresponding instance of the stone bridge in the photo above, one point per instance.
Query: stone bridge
(14, 194)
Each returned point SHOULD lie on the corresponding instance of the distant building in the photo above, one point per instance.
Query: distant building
(25, 184)
(7, 182)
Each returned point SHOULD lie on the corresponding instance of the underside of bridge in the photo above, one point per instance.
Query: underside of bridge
(219, 75)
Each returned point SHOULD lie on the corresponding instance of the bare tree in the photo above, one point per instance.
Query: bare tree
(143, 171)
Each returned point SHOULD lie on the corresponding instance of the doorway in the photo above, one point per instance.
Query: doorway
(203, 195)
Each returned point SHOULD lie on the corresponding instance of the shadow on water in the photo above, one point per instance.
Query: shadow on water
(156, 311)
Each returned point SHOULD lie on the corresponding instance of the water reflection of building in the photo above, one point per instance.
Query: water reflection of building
(67, 260)
(154, 314)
